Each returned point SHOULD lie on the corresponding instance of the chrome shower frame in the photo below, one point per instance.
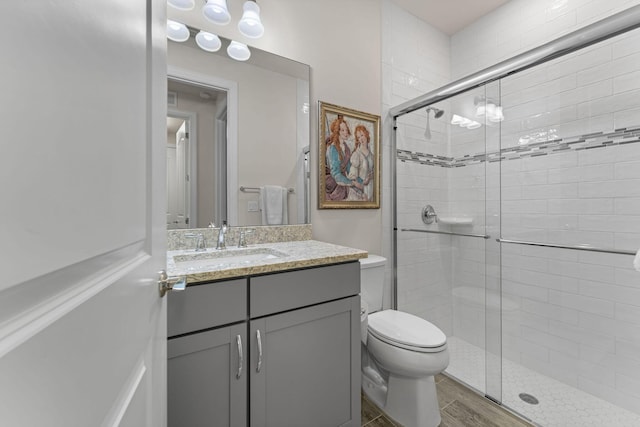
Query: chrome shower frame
(604, 29)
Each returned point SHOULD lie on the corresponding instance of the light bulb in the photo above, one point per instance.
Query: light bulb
(473, 125)
(217, 12)
(238, 51)
(250, 24)
(182, 4)
(497, 115)
(491, 110)
(207, 41)
(177, 31)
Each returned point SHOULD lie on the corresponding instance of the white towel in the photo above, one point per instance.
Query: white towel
(636, 261)
(273, 203)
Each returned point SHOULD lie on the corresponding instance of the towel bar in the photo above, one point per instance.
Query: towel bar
(577, 247)
(257, 189)
(484, 236)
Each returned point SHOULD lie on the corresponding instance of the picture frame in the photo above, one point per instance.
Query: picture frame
(349, 158)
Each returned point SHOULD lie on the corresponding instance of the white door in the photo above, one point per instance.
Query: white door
(82, 223)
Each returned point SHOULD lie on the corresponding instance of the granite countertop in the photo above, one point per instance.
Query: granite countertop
(291, 255)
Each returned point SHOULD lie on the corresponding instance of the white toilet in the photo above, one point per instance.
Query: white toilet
(401, 353)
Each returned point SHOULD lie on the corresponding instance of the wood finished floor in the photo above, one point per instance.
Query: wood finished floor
(459, 407)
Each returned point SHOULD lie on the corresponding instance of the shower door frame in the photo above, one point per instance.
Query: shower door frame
(602, 30)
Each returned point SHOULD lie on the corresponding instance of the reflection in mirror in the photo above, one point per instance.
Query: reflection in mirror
(234, 125)
(196, 196)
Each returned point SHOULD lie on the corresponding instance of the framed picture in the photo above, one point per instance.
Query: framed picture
(349, 168)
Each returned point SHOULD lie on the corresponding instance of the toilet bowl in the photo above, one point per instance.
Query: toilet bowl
(401, 355)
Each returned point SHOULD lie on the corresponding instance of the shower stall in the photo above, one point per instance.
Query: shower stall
(516, 220)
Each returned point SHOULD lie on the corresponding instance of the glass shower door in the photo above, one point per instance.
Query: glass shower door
(570, 213)
(448, 270)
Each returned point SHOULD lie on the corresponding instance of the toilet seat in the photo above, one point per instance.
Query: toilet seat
(406, 331)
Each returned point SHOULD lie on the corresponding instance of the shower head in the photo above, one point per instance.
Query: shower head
(437, 113)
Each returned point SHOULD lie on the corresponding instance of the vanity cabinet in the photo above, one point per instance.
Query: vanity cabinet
(300, 338)
(206, 378)
(206, 351)
(305, 362)
(302, 367)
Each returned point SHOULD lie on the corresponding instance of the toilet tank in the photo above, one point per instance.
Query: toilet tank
(372, 281)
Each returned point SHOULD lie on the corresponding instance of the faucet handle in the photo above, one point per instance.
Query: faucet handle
(200, 242)
(242, 238)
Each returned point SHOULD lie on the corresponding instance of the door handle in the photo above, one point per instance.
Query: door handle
(259, 350)
(166, 283)
(240, 357)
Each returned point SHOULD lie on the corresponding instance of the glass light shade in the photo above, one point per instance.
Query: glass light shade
(182, 4)
(217, 12)
(177, 31)
(238, 51)
(497, 115)
(490, 110)
(456, 119)
(250, 24)
(465, 122)
(207, 41)
(481, 110)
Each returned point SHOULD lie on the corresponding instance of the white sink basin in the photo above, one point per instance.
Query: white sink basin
(226, 258)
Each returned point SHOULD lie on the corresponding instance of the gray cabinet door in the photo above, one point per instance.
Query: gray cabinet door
(305, 367)
(207, 378)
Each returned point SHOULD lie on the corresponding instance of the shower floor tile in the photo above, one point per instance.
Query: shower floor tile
(559, 405)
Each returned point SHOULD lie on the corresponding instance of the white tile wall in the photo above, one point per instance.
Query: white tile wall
(415, 60)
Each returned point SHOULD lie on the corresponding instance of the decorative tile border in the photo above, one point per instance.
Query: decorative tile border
(532, 149)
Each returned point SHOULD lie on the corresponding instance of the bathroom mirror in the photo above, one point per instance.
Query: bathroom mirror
(233, 127)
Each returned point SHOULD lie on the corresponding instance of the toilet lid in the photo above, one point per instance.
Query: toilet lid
(407, 329)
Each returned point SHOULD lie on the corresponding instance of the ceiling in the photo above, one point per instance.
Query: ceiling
(449, 16)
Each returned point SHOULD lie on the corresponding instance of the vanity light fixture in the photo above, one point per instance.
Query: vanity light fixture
(182, 4)
(177, 31)
(238, 51)
(208, 41)
(217, 12)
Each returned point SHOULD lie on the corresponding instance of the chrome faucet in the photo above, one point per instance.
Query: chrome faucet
(200, 242)
(223, 229)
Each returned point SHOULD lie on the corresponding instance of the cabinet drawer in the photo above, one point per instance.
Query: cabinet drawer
(206, 306)
(285, 291)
